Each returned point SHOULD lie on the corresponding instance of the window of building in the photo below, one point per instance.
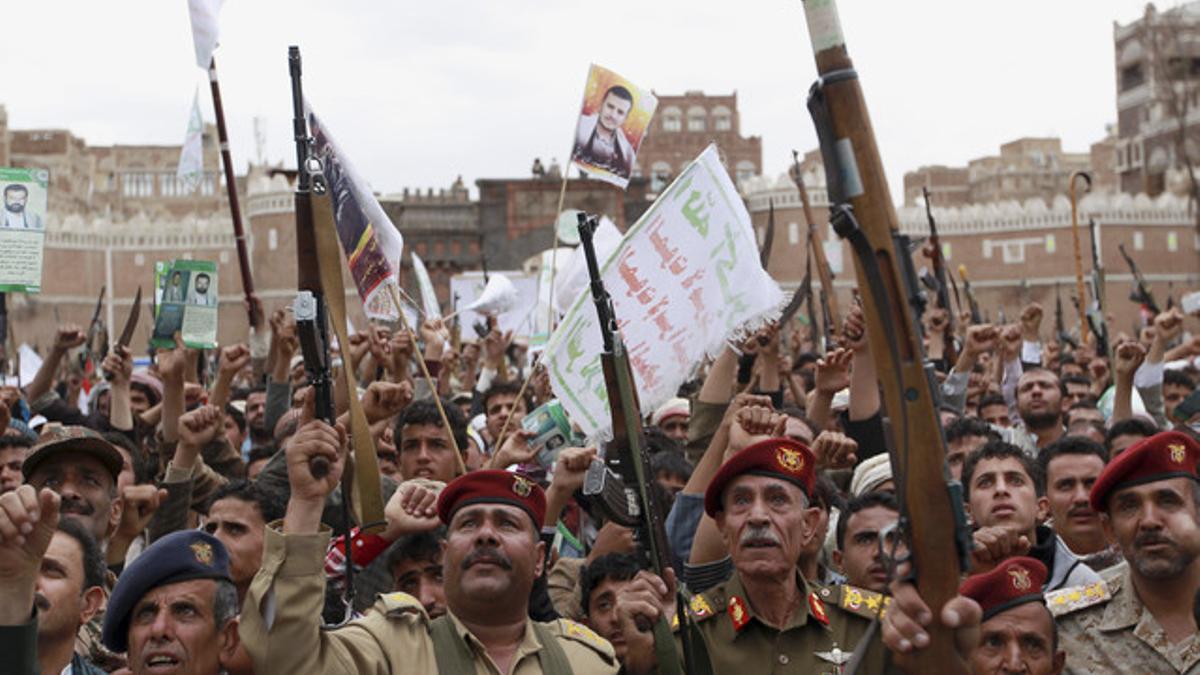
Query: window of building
(139, 259)
(696, 118)
(793, 233)
(745, 169)
(946, 250)
(722, 118)
(1051, 244)
(1013, 252)
(660, 175)
(272, 239)
(1139, 241)
(1132, 76)
(1172, 241)
(137, 184)
(672, 119)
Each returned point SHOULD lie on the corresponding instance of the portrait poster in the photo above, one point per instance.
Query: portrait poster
(185, 293)
(23, 228)
(612, 124)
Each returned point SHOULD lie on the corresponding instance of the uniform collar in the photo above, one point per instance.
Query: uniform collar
(529, 642)
(741, 613)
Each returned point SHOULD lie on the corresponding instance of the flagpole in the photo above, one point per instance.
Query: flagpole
(562, 195)
(231, 189)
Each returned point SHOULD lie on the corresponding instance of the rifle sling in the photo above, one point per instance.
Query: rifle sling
(366, 499)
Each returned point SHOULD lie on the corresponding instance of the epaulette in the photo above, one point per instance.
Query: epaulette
(399, 604)
(578, 632)
(699, 609)
(855, 600)
(1067, 600)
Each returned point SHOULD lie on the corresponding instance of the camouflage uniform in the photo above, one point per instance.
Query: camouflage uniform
(1104, 628)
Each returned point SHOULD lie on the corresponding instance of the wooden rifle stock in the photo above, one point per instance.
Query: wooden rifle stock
(862, 212)
(829, 299)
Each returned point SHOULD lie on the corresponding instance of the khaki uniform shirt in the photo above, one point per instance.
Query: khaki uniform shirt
(280, 626)
(819, 638)
(1104, 628)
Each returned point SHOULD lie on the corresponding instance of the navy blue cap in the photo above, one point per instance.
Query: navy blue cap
(179, 556)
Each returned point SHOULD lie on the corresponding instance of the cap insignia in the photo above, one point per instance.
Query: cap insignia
(521, 486)
(1019, 576)
(790, 460)
(203, 552)
(1178, 452)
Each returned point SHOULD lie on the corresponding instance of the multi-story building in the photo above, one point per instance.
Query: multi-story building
(683, 126)
(441, 227)
(1158, 90)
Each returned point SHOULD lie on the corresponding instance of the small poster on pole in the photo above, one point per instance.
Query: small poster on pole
(22, 228)
(186, 301)
(612, 125)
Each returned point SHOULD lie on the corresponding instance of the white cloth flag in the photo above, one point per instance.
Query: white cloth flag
(204, 28)
(685, 278)
(428, 296)
(191, 156)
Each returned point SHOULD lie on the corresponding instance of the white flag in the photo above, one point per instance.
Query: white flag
(191, 156)
(685, 278)
(428, 296)
(204, 28)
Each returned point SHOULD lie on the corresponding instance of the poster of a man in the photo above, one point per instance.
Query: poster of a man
(203, 292)
(16, 209)
(612, 124)
(174, 291)
(24, 197)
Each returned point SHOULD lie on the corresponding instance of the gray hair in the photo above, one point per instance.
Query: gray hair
(225, 603)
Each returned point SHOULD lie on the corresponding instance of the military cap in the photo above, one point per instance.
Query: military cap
(1169, 454)
(1013, 582)
(57, 438)
(775, 457)
(493, 486)
(180, 556)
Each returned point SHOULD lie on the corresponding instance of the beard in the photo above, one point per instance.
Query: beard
(1159, 567)
(14, 208)
(1042, 420)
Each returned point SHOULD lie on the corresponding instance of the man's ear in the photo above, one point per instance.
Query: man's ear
(540, 549)
(1060, 662)
(93, 602)
(114, 514)
(1043, 509)
(836, 556)
(228, 641)
(1106, 525)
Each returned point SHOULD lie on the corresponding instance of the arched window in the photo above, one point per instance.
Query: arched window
(660, 175)
(745, 169)
(672, 119)
(722, 118)
(695, 118)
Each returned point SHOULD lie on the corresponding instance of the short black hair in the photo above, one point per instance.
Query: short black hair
(861, 503)
(15, 187)
(805, 358)
(203, 275)
(271, 505)
(423, 546)
(991, 399)
(95, 572)
(825, 494)
(658, 442)
(1178, 377)
(672, 463)
(969, 425)
(426, 412)
(500, 389)
(1133, 426)
(1082, 405)
(620, 92)
(145, 467)
(1062, 385)
(1076, 378)
(9, 441)
(1068, 445)
(610, 566)
(265, 451)
(1002, 450)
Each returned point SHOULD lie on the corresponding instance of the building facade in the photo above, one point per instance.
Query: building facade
(683, 126)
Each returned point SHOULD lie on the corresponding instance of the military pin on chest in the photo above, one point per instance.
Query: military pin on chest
(835, 656)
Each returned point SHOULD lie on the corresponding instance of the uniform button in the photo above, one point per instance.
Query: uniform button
(783, 658)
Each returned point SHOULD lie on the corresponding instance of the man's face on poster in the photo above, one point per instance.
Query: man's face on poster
(613, 111)
(15, 198)
(176, 279)
(202, 283)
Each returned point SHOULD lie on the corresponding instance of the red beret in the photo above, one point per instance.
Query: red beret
(775, 457)
(1014, 582)
(1169, 454)
(493, 486)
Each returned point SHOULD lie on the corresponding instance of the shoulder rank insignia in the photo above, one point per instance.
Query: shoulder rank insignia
(863, 602)
(700, 607)
(578, 630)
(818, 608)
(1068, 600)
(738, 613)
(400, 603)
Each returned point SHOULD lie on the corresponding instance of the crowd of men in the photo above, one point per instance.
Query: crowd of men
(173, 518)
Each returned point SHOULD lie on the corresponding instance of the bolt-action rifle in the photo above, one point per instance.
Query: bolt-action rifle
(1060, 327)
(1141, 291)
(831, 317)
(943, 281)
(1095, 312)
(621, 484)
(972, 303)
(932, 519)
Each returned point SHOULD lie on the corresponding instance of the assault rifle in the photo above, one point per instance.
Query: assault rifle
(1095, 313)
(1141, 292)
(976, 315)
(96, 346)
(830, 315)
(939, 273)
(621, 485)
(931, 505)
(1060, 327)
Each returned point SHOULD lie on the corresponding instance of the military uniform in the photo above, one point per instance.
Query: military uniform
(1104, 628)
(819, 638)
(280, 626)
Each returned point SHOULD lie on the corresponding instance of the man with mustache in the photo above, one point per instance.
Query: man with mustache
(51, 583)
(1148, 499)
(492, 555)
(1017, 634)
(1071, 466)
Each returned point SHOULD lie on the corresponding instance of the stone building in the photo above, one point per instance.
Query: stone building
(442, 228)
(683, 126)
(1158, 87)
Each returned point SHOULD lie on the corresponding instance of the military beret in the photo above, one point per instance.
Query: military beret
(179, 556)
(1013, 582)
(775, 457)
(1169, 454)
(57, 438)
(493, 486)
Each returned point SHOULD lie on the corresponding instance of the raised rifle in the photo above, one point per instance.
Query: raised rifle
(1060, 327)
(939, 273)
(1141, 292)
(97, 337)
(829, 303)
(1095, 314)
(932, 519)
(976, 315)
(622, 484)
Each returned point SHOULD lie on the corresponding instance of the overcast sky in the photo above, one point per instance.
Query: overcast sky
(419, 92)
